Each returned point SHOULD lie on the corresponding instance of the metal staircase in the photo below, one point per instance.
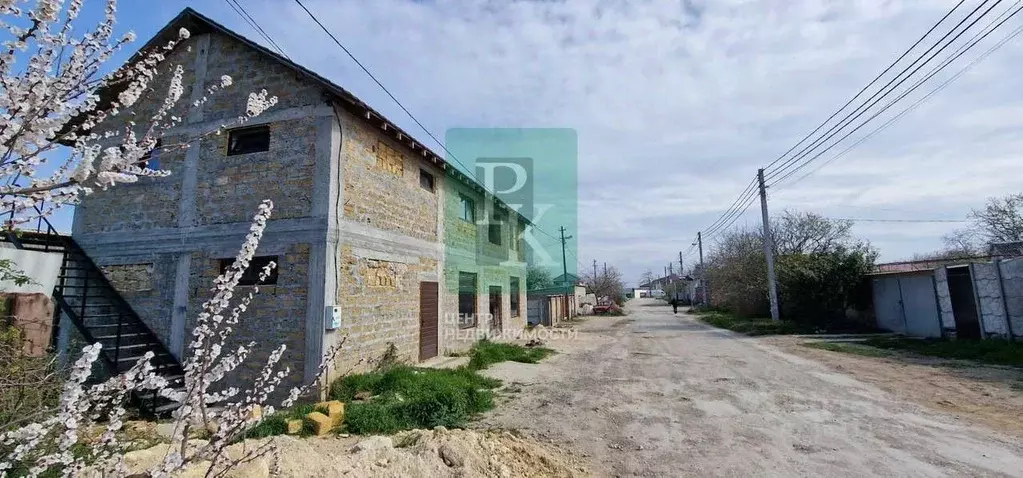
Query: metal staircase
(99, 313)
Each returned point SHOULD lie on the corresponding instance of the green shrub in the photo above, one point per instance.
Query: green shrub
(406, 397)
(816, 289)
(486, 353)
(277, 424)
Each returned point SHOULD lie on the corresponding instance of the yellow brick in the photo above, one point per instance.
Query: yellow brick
(335, 410)
(294, 426)
(321, 423)
(256, 413)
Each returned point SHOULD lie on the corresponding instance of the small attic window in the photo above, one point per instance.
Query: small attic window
(248, 140)
(251, 275)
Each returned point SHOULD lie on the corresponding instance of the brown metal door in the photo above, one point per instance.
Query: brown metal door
(427, 320)
(495, 307)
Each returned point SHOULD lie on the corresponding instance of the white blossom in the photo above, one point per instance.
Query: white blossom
(49, 108)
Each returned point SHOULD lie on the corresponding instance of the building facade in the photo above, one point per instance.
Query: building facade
(365, 219)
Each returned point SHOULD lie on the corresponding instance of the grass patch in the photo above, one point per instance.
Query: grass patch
(406, 397)
(402, 397)
(486, 353)
(766, 326)
(992, 351)
(754, 326)
(849, 348)
(277, 424)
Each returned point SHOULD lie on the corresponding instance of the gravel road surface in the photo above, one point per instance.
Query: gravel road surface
(657, 394)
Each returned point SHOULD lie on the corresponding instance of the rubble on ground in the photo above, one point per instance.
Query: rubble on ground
(416, 453)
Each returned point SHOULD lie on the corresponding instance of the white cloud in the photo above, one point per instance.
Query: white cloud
(677, 103)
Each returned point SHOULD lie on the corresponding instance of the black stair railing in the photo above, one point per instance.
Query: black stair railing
(85, 296)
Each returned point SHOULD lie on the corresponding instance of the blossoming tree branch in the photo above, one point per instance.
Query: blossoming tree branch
(51, 155)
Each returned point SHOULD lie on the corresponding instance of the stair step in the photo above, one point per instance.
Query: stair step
(135, 358)
(123, 336)
(168, 407)
(110, 326)
(135, 346)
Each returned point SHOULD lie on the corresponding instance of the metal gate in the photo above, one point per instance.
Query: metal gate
(907, 305)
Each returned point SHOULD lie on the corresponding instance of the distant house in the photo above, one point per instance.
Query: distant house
(551, 305)
(570, 279)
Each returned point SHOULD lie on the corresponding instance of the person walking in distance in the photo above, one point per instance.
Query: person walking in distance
(674, 305)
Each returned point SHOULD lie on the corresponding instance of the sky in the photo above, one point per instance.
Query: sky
(675, 103)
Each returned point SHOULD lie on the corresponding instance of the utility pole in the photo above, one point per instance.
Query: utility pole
(682, 274)
(605, 270)
(594, 273)
(564, 261)
(671, 269)
(772, 288)
(703, 272)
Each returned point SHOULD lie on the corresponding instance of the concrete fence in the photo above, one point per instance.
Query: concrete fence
(975, 300)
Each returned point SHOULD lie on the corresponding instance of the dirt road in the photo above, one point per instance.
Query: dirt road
(654, 394)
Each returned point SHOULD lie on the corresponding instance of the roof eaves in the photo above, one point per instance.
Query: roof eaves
(191, 19)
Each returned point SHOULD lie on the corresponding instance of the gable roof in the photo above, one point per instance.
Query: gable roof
(574, 279)
(198, 24)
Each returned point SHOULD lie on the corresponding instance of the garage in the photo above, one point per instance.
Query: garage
(905, 303)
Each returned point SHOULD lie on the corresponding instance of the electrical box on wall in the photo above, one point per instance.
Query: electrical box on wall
(332, 317)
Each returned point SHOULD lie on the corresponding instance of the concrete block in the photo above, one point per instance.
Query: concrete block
(335, 410)
(294, 426)
(321, 423)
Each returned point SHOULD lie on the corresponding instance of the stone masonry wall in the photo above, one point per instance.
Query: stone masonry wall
(1012, 284)
(275, 316)
(947, 317)
(130, 277)
(251, 72)
(142, 282)
(379, 300)
(230, 188)
(382, 183)
(989, 300)
(224, 196)
(147, 204)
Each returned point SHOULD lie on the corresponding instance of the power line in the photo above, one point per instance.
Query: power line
(738, 199)
(885, 90)
(400, 105)
(730, 219)
(897, 220)
(240, 10)
(879, 94)
(943, 65)
(857, 95)
(912, 107)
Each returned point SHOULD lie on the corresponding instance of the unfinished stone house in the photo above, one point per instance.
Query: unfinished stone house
(367, 221)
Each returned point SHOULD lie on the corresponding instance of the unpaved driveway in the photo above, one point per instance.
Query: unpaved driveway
(654, 394)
